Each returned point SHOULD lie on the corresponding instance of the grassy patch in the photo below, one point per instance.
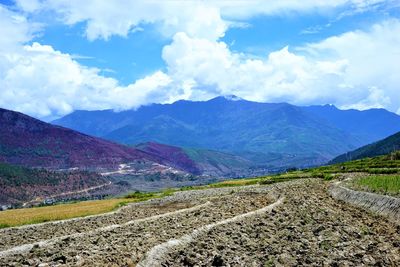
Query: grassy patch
(386, 184)
(34, 215)
(4, 225)
(141, 196)
(236, 182)
(17, 217)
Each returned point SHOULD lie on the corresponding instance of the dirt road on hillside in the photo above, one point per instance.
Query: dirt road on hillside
(287, 224)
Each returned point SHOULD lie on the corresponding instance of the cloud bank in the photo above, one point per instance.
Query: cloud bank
(357, 69)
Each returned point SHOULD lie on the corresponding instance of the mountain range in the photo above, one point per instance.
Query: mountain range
(39, 160)
(267, 134)
(183, 143)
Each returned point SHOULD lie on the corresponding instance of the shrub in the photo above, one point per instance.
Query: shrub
(395, 155)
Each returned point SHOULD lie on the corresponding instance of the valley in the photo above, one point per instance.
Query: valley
(154, 204)
(280, 220)
(266, 135)
(199, 133)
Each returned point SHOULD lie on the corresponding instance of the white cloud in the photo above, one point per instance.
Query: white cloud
(14, 30)
(201, 19)
(107, 18)
(282, 76)
(44, 82)
(40, 81)
(357, 69)
(373, 58)
(29, 6)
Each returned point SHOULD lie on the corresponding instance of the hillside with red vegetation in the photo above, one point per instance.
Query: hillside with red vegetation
(30, 142)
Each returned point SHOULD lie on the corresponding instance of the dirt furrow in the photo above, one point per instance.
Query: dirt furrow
(17, 236)
(11, 237)
(309, 229)
(50, 242)
(129, 243)
(155, 256)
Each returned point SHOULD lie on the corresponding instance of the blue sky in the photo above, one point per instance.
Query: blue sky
(66, 55)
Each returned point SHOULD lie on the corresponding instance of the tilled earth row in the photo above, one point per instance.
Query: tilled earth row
(127, 243)
(15, 236)
(309, 229)
(11, 237)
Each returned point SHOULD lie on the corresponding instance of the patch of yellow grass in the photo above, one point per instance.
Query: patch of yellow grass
(236, 182)
(18, 217)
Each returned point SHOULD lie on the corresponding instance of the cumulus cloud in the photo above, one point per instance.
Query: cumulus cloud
(107, 18)
(40, 81)
(14, 30)
(44, 82)
(356, 69)
(282, 76)
(197, 18)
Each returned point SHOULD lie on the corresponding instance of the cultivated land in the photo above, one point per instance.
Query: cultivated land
(248, 222)
(19, 217)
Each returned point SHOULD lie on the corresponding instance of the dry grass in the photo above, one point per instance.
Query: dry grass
(18, 217)
(236, 182)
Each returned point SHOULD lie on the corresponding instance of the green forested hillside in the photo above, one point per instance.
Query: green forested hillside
(385, 146)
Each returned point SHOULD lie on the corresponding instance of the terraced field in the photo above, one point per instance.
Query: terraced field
(284, 224)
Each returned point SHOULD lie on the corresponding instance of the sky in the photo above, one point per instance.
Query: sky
(57, 56)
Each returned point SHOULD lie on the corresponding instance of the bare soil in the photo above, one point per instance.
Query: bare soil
(308, 228)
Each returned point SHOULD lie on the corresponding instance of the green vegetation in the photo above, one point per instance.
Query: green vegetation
(383, 147)
(143, 196)
(4, 225)
(380, 184)
(388, 164)
(15, 175)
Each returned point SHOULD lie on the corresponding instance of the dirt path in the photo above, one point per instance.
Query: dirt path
(216, 227)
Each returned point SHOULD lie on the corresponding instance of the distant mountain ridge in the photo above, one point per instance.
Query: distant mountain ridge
(272, 134)
(368, 125)
(383, 147)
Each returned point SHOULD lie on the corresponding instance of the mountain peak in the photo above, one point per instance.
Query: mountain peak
(232, 98)
(227, 98)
